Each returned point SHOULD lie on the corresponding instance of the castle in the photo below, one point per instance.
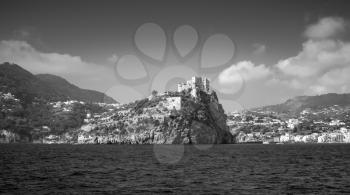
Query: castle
(195, 84)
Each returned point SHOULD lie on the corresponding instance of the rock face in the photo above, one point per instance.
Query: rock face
(200, 120)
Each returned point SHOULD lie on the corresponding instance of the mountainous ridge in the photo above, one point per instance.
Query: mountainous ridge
(73, 92)
(299, 103)
(25, 85)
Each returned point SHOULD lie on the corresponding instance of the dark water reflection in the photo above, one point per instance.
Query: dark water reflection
(130, 169)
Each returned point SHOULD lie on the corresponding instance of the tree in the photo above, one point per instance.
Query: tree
(156, 123)
(249, 118)
(154, 93)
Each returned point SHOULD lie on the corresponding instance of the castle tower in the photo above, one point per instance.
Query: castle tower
(195, 84)
(206, 85)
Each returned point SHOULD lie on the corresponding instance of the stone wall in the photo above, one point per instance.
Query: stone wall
(196, 83)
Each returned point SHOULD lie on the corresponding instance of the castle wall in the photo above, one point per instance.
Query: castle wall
(196, 83)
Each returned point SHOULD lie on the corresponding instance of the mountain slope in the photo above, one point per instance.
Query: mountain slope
(26, 86)
(297, 104)
(62, 86)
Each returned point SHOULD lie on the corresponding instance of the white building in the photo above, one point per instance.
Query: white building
(346, 137)
(173, 103)
(336, 123)
(298, 138)
(291, 123)
(322, 139)
(8, 96)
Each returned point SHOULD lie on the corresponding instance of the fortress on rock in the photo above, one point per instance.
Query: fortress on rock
(194, 85)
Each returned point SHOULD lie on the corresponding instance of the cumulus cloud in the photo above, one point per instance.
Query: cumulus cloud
(70, 67)
(325, 28)
(323, 65)
(317, 57)
(22, 53)
(231, 79)
(245, 69)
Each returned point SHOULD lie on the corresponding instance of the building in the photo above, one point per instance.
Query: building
(291, 123)
(194, 85)
(336, 123)
(173, 103)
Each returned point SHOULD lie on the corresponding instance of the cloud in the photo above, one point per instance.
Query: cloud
(323, 64)
(245, 69)
(231, 79)
(325, 28)
(70, 67)
(317, 57)
(259, 49)
(336, 80)
(30, 35)
(20, 52)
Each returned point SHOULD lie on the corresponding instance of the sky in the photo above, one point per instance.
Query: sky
(255, 53)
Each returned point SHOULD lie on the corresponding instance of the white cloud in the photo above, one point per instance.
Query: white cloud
(316, 58)
(323, 65)
(325, 28)
(73, 68)
(245, 69)
(231, 79)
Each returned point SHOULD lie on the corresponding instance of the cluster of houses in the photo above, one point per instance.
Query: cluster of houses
(249, 118)
(8, 102)
(8, 136)
(8, 96)
(332, 130)
(338, 136)
(65, 106)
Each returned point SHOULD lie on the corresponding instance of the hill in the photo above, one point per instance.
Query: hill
(300, 103)
(71, 91)
(26, 86)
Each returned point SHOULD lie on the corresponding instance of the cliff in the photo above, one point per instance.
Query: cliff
(177, 118)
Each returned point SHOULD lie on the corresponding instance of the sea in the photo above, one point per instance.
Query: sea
(175, 169)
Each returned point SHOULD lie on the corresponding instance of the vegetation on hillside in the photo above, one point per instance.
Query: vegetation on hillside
(28, 87)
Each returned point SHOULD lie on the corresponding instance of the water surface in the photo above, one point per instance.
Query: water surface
(130, 169)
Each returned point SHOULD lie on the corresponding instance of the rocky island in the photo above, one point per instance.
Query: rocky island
(192, 115)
